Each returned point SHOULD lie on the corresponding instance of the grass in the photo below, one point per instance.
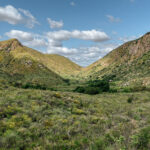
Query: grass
(34, 118)
(37, 119)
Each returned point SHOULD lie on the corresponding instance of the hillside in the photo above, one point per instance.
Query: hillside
(23, 64)
(22, 70)
(58, 64)
(129, 62)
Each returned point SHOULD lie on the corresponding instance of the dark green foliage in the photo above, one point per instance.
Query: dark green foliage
(103, 85)
(29, 85)
(109, 77)
(127, 90)
(91, 90)
(94, 87)
(130, 99)
(79, 89)
(67, 81)
(113, 90)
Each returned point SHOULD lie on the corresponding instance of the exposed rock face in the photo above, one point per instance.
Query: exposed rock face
(10, 45)
(129, 51)
(130, 57)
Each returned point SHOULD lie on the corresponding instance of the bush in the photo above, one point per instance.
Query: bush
(92, 90)
(102, 84)
(127, 90)
(34, 86)
(94, 87)
(67, 81)
(130, 99)
(79, 89)
(113, 90)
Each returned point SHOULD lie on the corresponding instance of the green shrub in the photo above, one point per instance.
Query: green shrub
(113, 90)
(92, 90)
(94, 87)
(79, 89)
(102, 84)
(127, 90)
(29, 85)
(130, 99)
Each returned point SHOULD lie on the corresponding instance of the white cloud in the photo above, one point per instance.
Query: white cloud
(91, 35)
(31, 20)
(56, 38)
(61, 50)
(17, 16)
(113, 19)
(10, 15)
(52, 42)
(72, 3)
(20, 35)
(36, 42)
(55, 24)
(87, 55)
(28, 39)
(61, 35)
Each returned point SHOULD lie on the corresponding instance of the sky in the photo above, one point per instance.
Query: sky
(82, 30)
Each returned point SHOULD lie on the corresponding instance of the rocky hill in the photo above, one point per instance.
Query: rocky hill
(128, 63)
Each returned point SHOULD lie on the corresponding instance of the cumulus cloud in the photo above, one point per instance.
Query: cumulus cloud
(56, 38)
(52, 42)
(87, 55)
(61, 35)
(28, 39)
(61, 50)
(17, 16)
(91, 35)
(55, 24)
(113, 19)
(36, 42)
(21, 35)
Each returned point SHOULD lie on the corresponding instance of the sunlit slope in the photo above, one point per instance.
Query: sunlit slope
(16, 65)
(58, 64)
(129, 61)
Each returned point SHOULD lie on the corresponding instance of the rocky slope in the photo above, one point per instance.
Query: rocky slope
(131, 61)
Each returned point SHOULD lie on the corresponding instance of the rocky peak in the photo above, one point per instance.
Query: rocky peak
(10, 45)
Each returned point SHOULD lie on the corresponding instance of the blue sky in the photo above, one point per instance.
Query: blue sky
(82, 30)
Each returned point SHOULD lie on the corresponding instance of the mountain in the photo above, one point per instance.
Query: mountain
(25, 65)
(129, 63)
(58, 64)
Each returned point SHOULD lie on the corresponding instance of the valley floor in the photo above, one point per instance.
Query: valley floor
(45, 120)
